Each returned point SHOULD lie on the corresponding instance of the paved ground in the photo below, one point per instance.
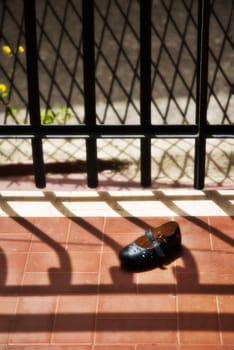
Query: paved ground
(62, 286)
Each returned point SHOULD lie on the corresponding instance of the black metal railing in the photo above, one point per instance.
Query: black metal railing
(86, 44)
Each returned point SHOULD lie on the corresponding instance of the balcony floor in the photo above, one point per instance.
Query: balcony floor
(62, 287)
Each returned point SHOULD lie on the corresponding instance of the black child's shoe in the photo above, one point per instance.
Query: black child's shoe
(156, 245)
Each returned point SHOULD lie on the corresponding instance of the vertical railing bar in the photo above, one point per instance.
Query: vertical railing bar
(202, 85)
(33, 90)
(89, 89)
(145, 88)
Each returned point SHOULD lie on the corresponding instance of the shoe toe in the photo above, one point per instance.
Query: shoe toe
(130, 253)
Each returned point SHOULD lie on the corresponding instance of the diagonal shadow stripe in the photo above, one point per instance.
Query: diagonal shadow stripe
(170, 204)
(63, 256)
(65, 271)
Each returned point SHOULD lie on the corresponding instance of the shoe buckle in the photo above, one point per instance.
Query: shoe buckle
(161, 238)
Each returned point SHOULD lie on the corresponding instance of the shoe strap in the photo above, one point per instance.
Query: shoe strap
(155, 243)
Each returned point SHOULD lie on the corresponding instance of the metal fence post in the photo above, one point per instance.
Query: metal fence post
(145, 88)
(89, 90)
(33, 90)
(202, 85)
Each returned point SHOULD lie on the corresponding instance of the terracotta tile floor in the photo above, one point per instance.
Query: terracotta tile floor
(61, 286)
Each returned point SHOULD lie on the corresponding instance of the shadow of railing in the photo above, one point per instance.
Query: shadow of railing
(118, 163)
(77, 322)
(63, 286)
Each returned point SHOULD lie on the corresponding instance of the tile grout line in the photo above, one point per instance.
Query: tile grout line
(219, 320)
(27, 258)
(177, 298)
(68, 233)
(58, 296)
(210, 234)
(177, 308)
(54, 320)
(21, 285)
(98, 282)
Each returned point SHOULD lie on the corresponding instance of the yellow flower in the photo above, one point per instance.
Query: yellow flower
(6, 49)
(21, 49)
(3, 88)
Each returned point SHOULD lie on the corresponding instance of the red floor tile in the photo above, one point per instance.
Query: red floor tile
(15, 242)
(221, 228)
(14, 225)
(76, 313)
(49, 347)
(81, 297)
(61, 285)
(7, 315)
(113, 243)
(200, 347)
(120, 231)
(113, 279)
(12, 267)
(161, 280)
(195, 232)
(205, 347)
(88, 261)
(114, 347)
(73, 328)
(124, 224)
(86, 234)
(34, 320)
(49, 234)
(133, 331)
(63, 262)
(205, 283)
(226, 315)
(204, 261)
(158, 347)
(198, 319)
(137, 306)
(42, 262)
(199, 329)
(134, 225)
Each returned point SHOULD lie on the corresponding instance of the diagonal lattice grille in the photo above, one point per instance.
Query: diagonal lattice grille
(174, 35)
(221, 74)
(60, 59)
(174, 62)
(174, 31)
(117, 61)
(12, 66)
